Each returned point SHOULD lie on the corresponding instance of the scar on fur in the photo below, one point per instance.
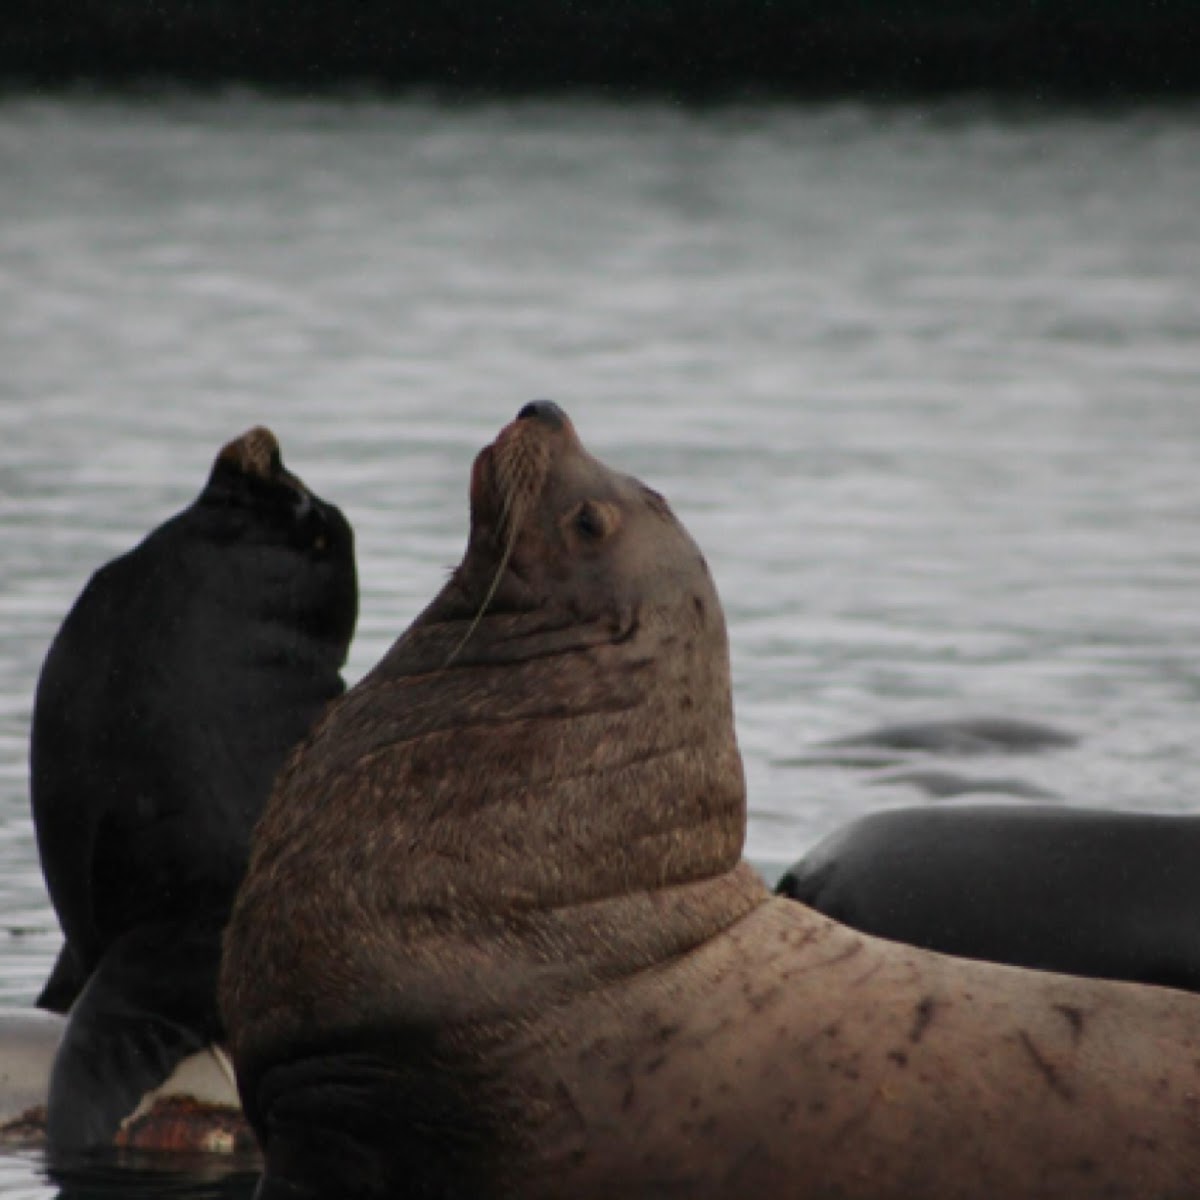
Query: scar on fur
(922, 1018)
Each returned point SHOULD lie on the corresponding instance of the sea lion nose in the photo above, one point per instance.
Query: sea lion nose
(545, 411)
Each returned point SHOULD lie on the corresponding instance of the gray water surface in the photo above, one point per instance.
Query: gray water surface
(924, 382)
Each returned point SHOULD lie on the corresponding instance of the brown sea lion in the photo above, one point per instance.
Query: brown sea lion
(496, 938)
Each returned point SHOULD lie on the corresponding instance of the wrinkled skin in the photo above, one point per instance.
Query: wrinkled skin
(496, 938)
(181, 678)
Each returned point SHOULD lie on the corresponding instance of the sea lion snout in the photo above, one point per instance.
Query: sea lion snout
(545, 411)
(510, 473)
(256, 453)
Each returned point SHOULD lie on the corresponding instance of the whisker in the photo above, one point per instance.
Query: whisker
(511, 528)
(520, 470)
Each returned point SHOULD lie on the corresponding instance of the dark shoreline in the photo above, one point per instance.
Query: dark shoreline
(700, 49)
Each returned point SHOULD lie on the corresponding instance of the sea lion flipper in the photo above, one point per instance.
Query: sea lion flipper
(141, 1013)
(66, 981)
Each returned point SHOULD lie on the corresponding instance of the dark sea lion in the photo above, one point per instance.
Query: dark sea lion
(1114, 895)
(180, 679)
(496, 938)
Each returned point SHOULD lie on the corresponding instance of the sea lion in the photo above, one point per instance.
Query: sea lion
(1114, 895)
(182, 676)
(496, 938)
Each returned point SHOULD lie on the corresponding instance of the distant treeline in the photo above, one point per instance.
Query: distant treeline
(683, 47)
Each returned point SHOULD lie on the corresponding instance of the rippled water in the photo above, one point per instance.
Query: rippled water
(923, 382)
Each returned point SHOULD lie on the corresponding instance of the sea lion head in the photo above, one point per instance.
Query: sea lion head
(566, 543)
(248, 479)
(254, 506)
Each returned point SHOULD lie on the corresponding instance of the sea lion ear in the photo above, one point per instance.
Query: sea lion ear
(657, 502)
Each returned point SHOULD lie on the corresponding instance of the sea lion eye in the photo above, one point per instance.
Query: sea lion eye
(588, 522)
